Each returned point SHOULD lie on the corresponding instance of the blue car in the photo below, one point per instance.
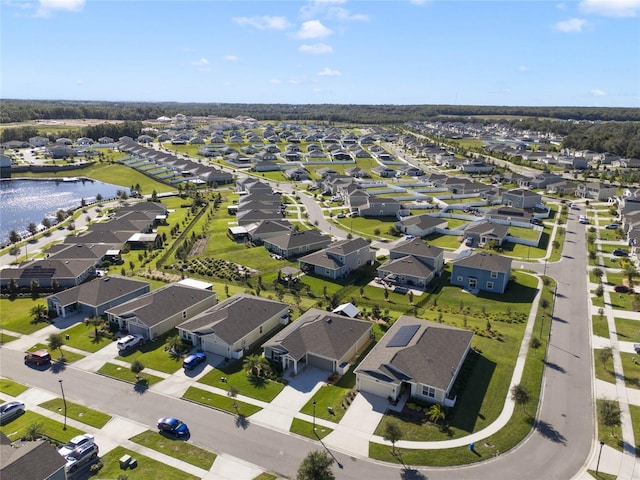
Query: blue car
(193, 360)
(173, 426)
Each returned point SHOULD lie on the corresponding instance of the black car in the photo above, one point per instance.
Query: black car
(173, 426)
(618, 252)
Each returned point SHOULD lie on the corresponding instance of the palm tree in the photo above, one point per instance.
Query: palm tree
(34, 430)
(39, 313)
(520, 395)
(436, 413)
(316, 466)
(392, 433)
(256, 365)
(55, 342)
(14, 237)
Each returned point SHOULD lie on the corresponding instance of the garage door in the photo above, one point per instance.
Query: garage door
(319, 362)
(139, 329)
(217, 348)
(382, 389)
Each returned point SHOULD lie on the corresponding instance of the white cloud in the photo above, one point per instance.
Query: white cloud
(47, 7)
(313, 29)
(561, 6)
(202, 65)
(597, 92)
(343, 15)
(327, 72)
(316, 49)
(230, 58)
(276, 81)
(611, 8)
(418, 2)
(572, 25)
(523, 68)
(265, 22)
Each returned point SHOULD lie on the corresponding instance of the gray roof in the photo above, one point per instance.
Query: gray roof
(99, 291)
(485, 261)
(345, 247)
(429, 357)
(29, 460)
(235, 317)
(321, 333)
(522, 192)
(155, 307)
(487, 228)
(423, 221)
(40, 269)
(321, 259)
(269, 226)
(408, 265)
(100, 236)
(418, 248)
(67, 251)
(298, 239)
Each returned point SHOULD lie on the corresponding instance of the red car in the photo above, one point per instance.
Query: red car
(39, 357)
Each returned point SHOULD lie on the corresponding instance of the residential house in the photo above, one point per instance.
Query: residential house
(521, 198)
(484, 232)
(247, 217)
(93, 298)
(36, 460)
(320, 339)
(373, 206)
(48, 273)
(420, 356)
(421, 225)
(412, 263)
(563, 188)
(410, 170)
(476, 271)
(260, 231)
(157, 312)
(542, 180)
(356, 172)
(507, 215)
(235, 325)
(293, 244)
(475, 166)
(596, 191)
(338, 259)
(384, 172)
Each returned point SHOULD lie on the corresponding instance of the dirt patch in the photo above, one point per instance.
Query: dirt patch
(199, 247)
(158, 275)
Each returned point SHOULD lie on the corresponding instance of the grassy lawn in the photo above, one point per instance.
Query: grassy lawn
(622, 301)
(603, 372)
(610, 436)
(4, 338)
(249, 386)
(628, 330)
(635, 422)
(444, 241)
(15, 315)
(601, 476)
(153, 355)
(305, 429)
(18, 427)
(78, 412)
(631, 370)
(147, 469)
(81, 336)
(176, 448)
(266, 476)
(600, 326)
(328, 396)
(615, 278)
(367, 226)
(9, 387)
(123, 373)
(525, 233)
(69, 356)
(220, 402)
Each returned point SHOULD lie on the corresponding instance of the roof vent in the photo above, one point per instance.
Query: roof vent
(329, 320)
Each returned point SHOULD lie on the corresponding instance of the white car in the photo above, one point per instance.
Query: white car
(75, 442)
(130, 341)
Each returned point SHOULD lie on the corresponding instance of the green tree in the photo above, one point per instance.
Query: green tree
(95, 322)
(15, 251)
(14, 237)
(55, 342)
(598, 273)
(392, 433)
(410, 295)
(34, 431)
(256, 365)
(32, 228)
(604, 355)
(630, 272)
(39, 313)
(136, 367)
(316, 466)
(609, 413)
(386, 294)
(436, 413)
(520, 396)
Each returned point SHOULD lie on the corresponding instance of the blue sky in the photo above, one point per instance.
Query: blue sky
(582, 53)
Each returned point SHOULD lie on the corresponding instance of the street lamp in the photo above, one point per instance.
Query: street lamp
(541, 326)
(64, 401)
(599, 455)
(314, 415)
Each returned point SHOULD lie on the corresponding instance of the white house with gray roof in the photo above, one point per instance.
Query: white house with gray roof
(421, 225)
(418, 356)
(157, 312)
(231, 327)
(292, 244)
(338, 259)
(319, 339)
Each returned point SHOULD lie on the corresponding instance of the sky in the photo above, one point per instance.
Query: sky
(516, 53)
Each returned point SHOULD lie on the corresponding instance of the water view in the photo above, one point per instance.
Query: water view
(26, 201)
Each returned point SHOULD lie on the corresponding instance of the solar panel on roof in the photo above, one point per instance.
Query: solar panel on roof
(403, 336)
(38, 272)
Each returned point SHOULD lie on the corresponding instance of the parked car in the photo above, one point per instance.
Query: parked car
(612, 226)
(81, 456)
(193, 360)
(173, 426)
(130, 341)
(636, 347)
(409, 237)
(574, 207)
(341, 215)
(10, 410)
(39, 357)
(618, 252)
(468, 242)
(75, 442)
(622, 289)
(536, 221)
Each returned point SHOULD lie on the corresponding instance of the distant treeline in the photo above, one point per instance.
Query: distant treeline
(113, 130)
(24, 110)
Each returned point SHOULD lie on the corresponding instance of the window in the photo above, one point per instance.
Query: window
(184, 315)
(490, 285)
(428, 391)
(473, 282)
(494, 274)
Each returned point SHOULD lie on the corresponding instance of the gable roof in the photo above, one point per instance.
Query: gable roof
(418, 248)
(429, 356)
(99, 291)
(484, 261)
(297, 239)
(423, 221)
(155, 307)
(40, 269)
(321, 333)
(88, 251)
(490, 229)
(29, 460)
(234, 318)
(408, 265)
